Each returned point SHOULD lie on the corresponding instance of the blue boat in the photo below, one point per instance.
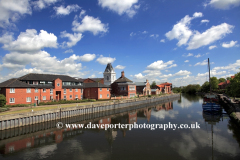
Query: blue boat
(211, 107)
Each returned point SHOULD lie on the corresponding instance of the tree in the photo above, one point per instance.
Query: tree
(153, 84)
(2, 100)
(234, 88)
(191, 88)
(221, 80)
(214, 82)
(205, 87)
(228, 78)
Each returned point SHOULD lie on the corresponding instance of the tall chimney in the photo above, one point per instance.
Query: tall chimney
(122, 74)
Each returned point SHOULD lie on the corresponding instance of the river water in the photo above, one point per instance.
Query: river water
(217, 138)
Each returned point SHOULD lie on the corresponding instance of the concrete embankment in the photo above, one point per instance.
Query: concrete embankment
(19, 120)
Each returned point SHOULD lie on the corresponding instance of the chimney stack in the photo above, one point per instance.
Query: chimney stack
(122, 74)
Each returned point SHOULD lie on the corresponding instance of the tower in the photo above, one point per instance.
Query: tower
(109, 75)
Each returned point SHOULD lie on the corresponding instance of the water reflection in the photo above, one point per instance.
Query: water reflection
(219, 142)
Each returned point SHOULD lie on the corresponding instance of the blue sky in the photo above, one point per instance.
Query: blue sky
(159, 40)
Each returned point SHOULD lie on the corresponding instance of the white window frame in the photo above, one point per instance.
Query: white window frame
(76, 90)
(81, 90)
(64, 91)
(12, 101)
(44, 98)
(36, 98)
(51, 97)
(100, 89)
(12, 90)
(107, 89)
(28, 99)
(108, 95)
(81, 96)
(44, 90)
(58, 84)
(100, 96)
(76, 96)
(36, 90)
(70, 89)
(51, 90)
(28, 90)
(70, 96)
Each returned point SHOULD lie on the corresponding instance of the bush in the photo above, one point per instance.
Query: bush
(66, 102)
(149, 96)
(2, 100)
(18, 105)
(3, 109)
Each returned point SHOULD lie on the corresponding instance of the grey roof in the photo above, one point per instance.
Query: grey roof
(95, 85)
(140, 83)
(15, 83)
(123, 79)
(96, 79)
(153, 90)
(80, 79)
(109, 68)
(47, 77)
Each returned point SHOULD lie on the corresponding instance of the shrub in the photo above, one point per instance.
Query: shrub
(66, 102)
(3, 109)
(149, 96)
(2, 100)
(18, 105)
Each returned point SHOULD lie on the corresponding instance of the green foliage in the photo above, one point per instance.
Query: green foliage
(153, 84)
(214, 82)
(18, 105)
(149, 96)
(2, 100)
(177, 90)
(205, 87)
(66, 102)
(191, 88)
(3, 109)
(221, 80)
(234, 88)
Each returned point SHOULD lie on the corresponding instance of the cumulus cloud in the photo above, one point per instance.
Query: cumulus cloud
(188, 55)
(69, 51)
(87, 57)
(73, 38)
(154, 35)
(120, 67)
(162, 40)
(181, 31)
(105, 60)
(82, 13)
(203, 63)
(41, 4)
(212, 47)
(229, 45)
(223, 4)
(182, 73)
(90, 24)
(11, 11)
(128, 7)
(160, 65)
(61, 10)
(198, 55)
(204, 21)
(209, 36)
(31, 41)
(139, 76)
(234, 66)
(186, 61)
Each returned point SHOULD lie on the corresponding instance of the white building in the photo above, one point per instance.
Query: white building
(109, 75)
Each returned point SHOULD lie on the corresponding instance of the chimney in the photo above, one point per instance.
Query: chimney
(122, 74)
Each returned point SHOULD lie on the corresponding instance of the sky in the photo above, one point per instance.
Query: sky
(158, 40)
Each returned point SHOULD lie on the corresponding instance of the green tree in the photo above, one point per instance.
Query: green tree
(205, 87)
(153, 84)
(234, 88)
(214, 83)
(221, 80)
(2, 100)
(228, 78)
(191, 88)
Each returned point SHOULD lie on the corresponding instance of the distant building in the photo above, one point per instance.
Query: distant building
(96, 91)
(164, 87)
(143, 88)
(93, 80)
(123, 87)
(109, 75)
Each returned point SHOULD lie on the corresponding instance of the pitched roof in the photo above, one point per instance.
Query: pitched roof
(15, 83)
(166, 83)
(109, 68)
(140, 83)
(47, 77)
(95, 85)
(221, 83)
(96, 79)
(160, 86)
(123, 79)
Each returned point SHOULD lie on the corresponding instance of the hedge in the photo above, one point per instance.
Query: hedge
(66, 102)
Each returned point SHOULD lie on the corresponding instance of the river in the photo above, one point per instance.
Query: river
(216, 138)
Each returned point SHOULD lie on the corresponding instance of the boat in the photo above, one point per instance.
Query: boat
(210, 100)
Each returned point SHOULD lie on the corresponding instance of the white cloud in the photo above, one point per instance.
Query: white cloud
(188, 55)
(154, 35)
(234, 67)
(69, 51)
(73, 38)
(186, 61)
(144, 32)
(105, 60)
(162, 114)
(204, 21)
(6, 38)
(92, 76)
(160, 65)
(229, 45)
(182, 73)
(128, 7)
(61, 10)
(139, 76)
(209, 36)
(224, 4)
(198, 55)
(82, 13)
(87, 57)
(31, 41)
(162, 40)
(12, 10)
(212, 47)
(181, 30)
(90, 24)
(203, 63)
(132, 34)
(120, 67)
(41, 4)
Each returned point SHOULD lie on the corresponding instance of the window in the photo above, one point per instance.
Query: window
(81, 90)
(107, 95)
(51, 91)
(51, 97)
(76, 96)
(65, 90)
(132, 95)
(12, 100)
(44, 89)
(64, 97)
(70, 90)
(28, 99)
(12, 90)
(58, 84)
(100, 96)
(28, 90)
(122, 88)
(36, 90)
(70, 96)
(132, 88)
(44, 97)
(76, 90)
(107, 89)
(81, 96)
(35, 82)
(36, 98)
(100, 89)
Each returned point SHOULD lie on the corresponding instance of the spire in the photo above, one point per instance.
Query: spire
(109, 68)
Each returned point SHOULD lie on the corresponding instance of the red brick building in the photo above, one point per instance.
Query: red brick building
(96, 91)
(143, 88)
(123, 87)
(93, 80)
(164, 87)
(35, 88)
